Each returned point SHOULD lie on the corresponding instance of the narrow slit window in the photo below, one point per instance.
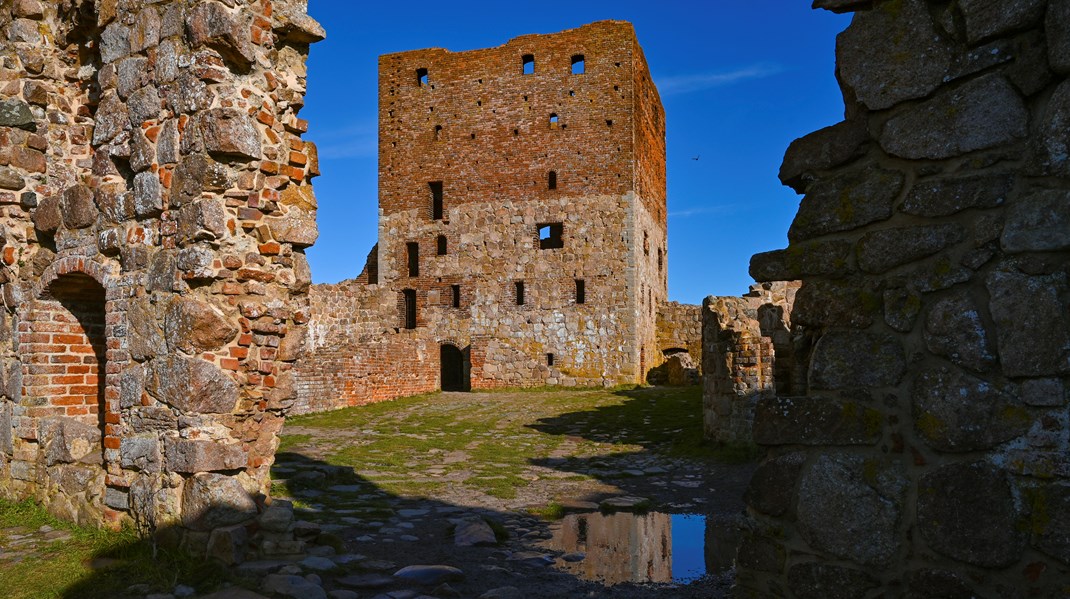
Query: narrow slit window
(661, 260)
(455, 296)
(520, 293)
(577, 64)
(409, 298)
(553, 120)
(528, 62)
(442, 245)
(421, 77)
(581, 291)
(646, 243)
(438, 131)
(436, 199)
(549, 359)
(412, 254)
(551, 236)
(551, 180)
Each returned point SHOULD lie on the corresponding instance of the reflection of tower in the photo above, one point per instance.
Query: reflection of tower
(620, 547)
(722, 540)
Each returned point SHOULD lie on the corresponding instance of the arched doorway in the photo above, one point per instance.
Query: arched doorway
(455, 369)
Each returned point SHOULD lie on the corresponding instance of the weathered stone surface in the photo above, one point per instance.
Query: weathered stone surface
(1053, 144)
(191, 385)
(152, 418)
(296, 230)
(829, 582)
(429, 575)
(846, 202)
(111, 119)
(1032, 323)
(145, 32)
(145, 335)
(298, 27)
(988, 19)
(15, 113)
(882, 250)
(228, 545)
(840, 496)
(981, 114)
(29, 9)
(197, 173)
(142, 153)
(1057, 29)
(954, 328)
(288, 585)
(938, 584)
(956, 412)
(812, 258)
(1038, 222)
(823, 303)
(131, 386)
(192, 325)
(78, 207)
(681, 370)
(1052, 520)
(140, 452)
(202, 455)
(293, 345)
(209, 24)
(212, 500)
(901, 309)
(48, 217)
(814, 421)
(147, 195)
(969, 512)
(844, 360)
(772, 488)
(821, 150)
(891, 54)
(114, 42)
(1043, 392)
(229, 134)
(301, 197)
(473, 531)
(132, 74)
(202, 219)
(948, 195)
(278, 517)
(143, 105)
(67, 441)
(10, 179)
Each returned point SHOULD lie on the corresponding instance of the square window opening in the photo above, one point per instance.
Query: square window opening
(549, 359)
(551, 236)
(528, 62)
(442, 245)
(436, 199)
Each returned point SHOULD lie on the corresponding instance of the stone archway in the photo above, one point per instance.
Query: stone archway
(455, 368)
(63, 348)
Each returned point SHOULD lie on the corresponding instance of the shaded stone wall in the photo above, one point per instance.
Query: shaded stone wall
(747, 355)
(478, 133)
(679, 326)
(155, 207)
(928, 457)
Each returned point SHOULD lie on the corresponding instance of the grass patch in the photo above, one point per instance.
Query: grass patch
(65, 568)
(550, 511)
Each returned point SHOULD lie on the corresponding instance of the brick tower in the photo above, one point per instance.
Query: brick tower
(522, 204)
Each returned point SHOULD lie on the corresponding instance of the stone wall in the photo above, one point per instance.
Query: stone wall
(155, 206)
(679, 326)
(747, 355)
(929, 456)
(473, 170)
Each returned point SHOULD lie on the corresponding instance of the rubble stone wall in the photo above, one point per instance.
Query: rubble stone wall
(679, 326)
(155, 207)
(929, 456)
(747, 355)
(507, 153)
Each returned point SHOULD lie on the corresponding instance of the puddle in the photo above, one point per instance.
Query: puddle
(650, 547)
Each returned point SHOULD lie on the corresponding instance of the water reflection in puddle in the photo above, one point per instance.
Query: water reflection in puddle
(650, 547)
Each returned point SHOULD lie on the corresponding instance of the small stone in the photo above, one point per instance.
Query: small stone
(296, 230)
(1038, 222)
(429, 575)
(212, 500)
(319, 564)
(209, 24)
(202, 220)
(473, 531)
(824, 303)
(772, 487)
(1032, 323)
(11, 179)
(954, 328)
(1053, 527)
(192, 325)
(289, 585)
(901, 309)
(144, 105)
(1043, 392)
(114, 42)
(191, 385)
(203, 455)
(970, 512)
(806, 259)
(229, 134)
(228, 544)
(78, 207)
(365, 581)
(822, 150)
(147, 195)
(980, 114)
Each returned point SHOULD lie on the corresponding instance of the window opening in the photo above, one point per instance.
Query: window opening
(551, 182)
(577, 64)
(661, 260)
(646, 243)
(442, 245)
(455, 296)
(409, 296)
(551, 236)
(438, 130)
(520, 293)
(553, 120)
(436, 199)
(528, 60)
(609, 122)
(549, 359)
(421, 77)
(412, 250)
(581, 291)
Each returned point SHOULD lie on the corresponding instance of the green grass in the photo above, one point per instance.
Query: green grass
(64, 568)
(393, 444)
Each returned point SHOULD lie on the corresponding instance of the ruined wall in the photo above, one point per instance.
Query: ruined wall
(679, 326)
(474, 130)
(155, 207)
(747, 355)
(929, 455)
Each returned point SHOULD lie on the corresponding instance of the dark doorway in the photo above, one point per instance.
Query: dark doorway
(454, 368)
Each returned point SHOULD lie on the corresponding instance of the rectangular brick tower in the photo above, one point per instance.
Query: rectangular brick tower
(522, 205)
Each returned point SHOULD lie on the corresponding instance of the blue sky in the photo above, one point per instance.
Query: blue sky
(739, 81)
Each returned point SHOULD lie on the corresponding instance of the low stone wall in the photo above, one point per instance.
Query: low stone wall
(747, 355)
(679, 326)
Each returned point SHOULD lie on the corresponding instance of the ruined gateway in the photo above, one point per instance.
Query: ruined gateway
(155, 204)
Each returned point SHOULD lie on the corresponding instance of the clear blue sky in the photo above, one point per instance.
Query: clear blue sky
(739, 81)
